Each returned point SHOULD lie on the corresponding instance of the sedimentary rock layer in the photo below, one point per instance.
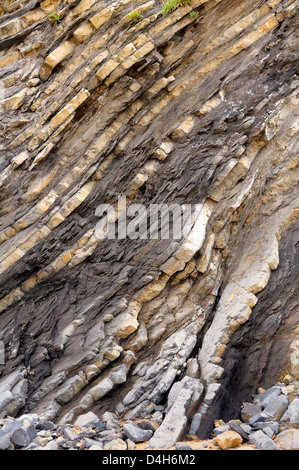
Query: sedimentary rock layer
(193, 109)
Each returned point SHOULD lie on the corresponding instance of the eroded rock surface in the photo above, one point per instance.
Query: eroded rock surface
(188, 109)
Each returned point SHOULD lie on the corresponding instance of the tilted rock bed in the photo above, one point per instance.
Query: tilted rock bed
(269, 422)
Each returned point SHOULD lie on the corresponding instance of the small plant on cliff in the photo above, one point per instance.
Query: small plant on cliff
(193, 14)
(6, 2)
(172, 5)
(135, 15)
(4, 6)
(54, 17)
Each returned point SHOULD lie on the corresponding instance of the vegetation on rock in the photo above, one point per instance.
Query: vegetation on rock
(172, 5)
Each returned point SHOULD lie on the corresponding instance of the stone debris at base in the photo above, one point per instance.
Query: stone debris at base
(269, 422)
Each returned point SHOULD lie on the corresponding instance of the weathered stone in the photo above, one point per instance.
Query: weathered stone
(9, 59)
(69, 434)
(248, 410)
(175, 421)
(130, 445)
(33, 446)
(262, 441)
(135, 433)
(183, 129)
(101, 18)
(264, 398)
(40, 441)
(57, 56)
(33, 82)
(115, 444)
(288, 439)
(149, 425)
(5, 443)
(108, 416)
(246, 429)
(15, 101)
(268, 431)
(96, 447)
(273, 425)
(106, 69)
(6, 397)
(22, 432)
(182, 446)
(92, 442)
(122, 326)
(292, 413)
(236, 425)
(87, 419)
(83, 32)
(221, 429)
(52, 445)
(277, 407)
(260, 418)
(228, 440)
(100, 390)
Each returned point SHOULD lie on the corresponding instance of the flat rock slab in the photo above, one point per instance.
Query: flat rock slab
(264, 399)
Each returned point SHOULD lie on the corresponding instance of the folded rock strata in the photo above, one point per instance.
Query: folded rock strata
(176, 109)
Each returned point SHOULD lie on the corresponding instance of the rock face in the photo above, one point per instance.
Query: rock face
(196, 110)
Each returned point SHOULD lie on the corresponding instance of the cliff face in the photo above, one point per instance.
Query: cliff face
(195, 109)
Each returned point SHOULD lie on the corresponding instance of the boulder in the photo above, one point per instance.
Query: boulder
(277, 407)
(236, 425)
(22, 431)
(249, 410)
(263, 399)
(262, 441)
(5, 443)
(87, 419)
(273, 425)
(115, 444)
(228, 440)
(292, 413)
(135, 433)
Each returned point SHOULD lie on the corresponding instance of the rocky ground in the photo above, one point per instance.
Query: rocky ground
(269, 422)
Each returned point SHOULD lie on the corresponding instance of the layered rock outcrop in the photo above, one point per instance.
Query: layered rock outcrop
(195, 109)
